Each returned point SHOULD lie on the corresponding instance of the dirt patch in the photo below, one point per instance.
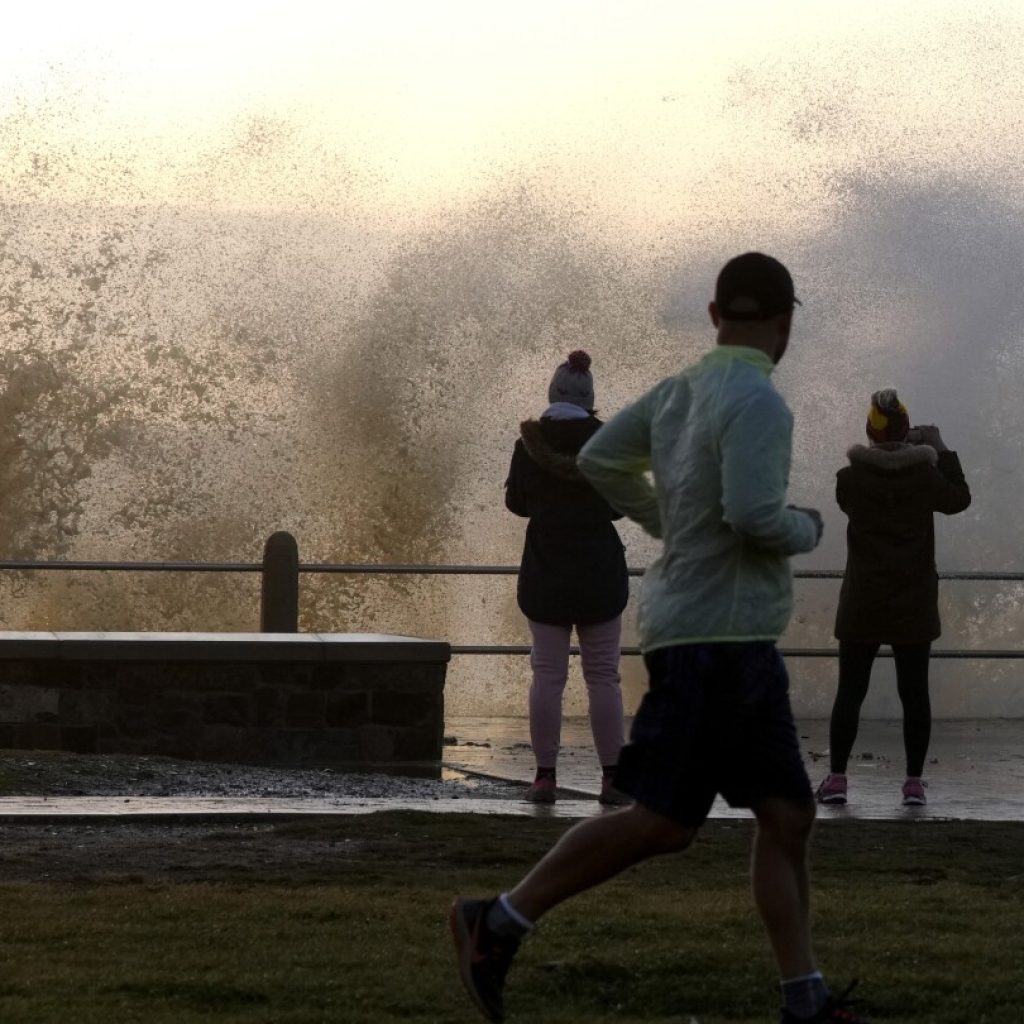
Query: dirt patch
(121, 852)
(53, 773)
(120, 849)
(311, 850)
(339, 848)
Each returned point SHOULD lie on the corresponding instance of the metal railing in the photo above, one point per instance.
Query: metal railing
(357, 568)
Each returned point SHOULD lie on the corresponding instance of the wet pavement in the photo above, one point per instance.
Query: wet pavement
(975, 772)
(975, 769)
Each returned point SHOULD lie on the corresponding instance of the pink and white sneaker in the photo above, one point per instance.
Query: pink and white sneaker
(913, 792)
(543, 790)
(832, 789)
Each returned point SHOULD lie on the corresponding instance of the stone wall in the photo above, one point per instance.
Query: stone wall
(249, 698)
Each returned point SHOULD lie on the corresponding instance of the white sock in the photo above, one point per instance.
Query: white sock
(503, 919)
(806, 995)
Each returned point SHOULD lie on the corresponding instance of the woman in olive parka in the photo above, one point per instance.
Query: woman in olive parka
(889, 492)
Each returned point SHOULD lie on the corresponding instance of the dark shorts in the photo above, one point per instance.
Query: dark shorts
(716, 719)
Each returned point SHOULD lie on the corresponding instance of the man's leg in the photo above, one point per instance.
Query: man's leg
(487, 932)
(782, 894)
(594, 851)
(656, 768)
(781, 883)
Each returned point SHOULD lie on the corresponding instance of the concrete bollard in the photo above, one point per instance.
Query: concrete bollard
(279, 595)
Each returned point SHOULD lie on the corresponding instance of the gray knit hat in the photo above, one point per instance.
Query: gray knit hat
(572, 382)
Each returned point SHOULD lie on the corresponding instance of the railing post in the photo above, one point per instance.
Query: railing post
(279, 594)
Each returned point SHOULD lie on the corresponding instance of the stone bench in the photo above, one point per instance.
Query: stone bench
(252, 698)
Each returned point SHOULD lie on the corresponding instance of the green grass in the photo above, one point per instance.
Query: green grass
(929, 915)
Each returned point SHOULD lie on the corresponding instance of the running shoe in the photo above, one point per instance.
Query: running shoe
(484, 957)
(837, 1010)
(542, 791)
(611, 796)
(832, 789)
(913, 792)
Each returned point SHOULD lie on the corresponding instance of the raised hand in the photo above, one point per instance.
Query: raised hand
(929, 434)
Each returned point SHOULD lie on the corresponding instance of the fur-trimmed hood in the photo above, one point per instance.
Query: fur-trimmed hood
(559, 463)
(892, 457)
(573, 569)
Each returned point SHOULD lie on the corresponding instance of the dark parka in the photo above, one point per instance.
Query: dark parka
(573, 570)
(889, 493)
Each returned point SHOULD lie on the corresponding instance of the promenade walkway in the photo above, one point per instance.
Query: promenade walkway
(975, 772)
(975, 769)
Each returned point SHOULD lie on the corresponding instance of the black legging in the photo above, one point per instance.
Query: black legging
(855, 661)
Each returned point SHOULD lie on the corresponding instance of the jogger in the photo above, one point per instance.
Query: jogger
(716, 717)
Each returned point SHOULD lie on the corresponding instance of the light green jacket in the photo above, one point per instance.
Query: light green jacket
(717, 439)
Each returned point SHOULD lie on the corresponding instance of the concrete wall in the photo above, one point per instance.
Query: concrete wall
(250, 698)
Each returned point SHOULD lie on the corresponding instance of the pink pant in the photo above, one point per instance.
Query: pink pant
(549, 659)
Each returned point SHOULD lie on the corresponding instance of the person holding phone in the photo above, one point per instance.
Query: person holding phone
(890, 491)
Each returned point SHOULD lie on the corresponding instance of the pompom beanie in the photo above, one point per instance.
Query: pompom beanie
(573, 382)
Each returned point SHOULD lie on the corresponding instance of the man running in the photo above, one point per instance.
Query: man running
(716, 718)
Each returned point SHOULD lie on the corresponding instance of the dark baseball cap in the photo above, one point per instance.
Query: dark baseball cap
(754, 287)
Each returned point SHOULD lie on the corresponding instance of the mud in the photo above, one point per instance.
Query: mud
(56, 774)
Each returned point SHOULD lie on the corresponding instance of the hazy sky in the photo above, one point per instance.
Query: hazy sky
(656, 110)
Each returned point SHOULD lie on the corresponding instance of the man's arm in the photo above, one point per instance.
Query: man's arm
(756, 445)
(616, 461)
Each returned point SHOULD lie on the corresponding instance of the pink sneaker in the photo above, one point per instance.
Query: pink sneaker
(913, 792)
(542, 791)
(832, 790)
(612, 797)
